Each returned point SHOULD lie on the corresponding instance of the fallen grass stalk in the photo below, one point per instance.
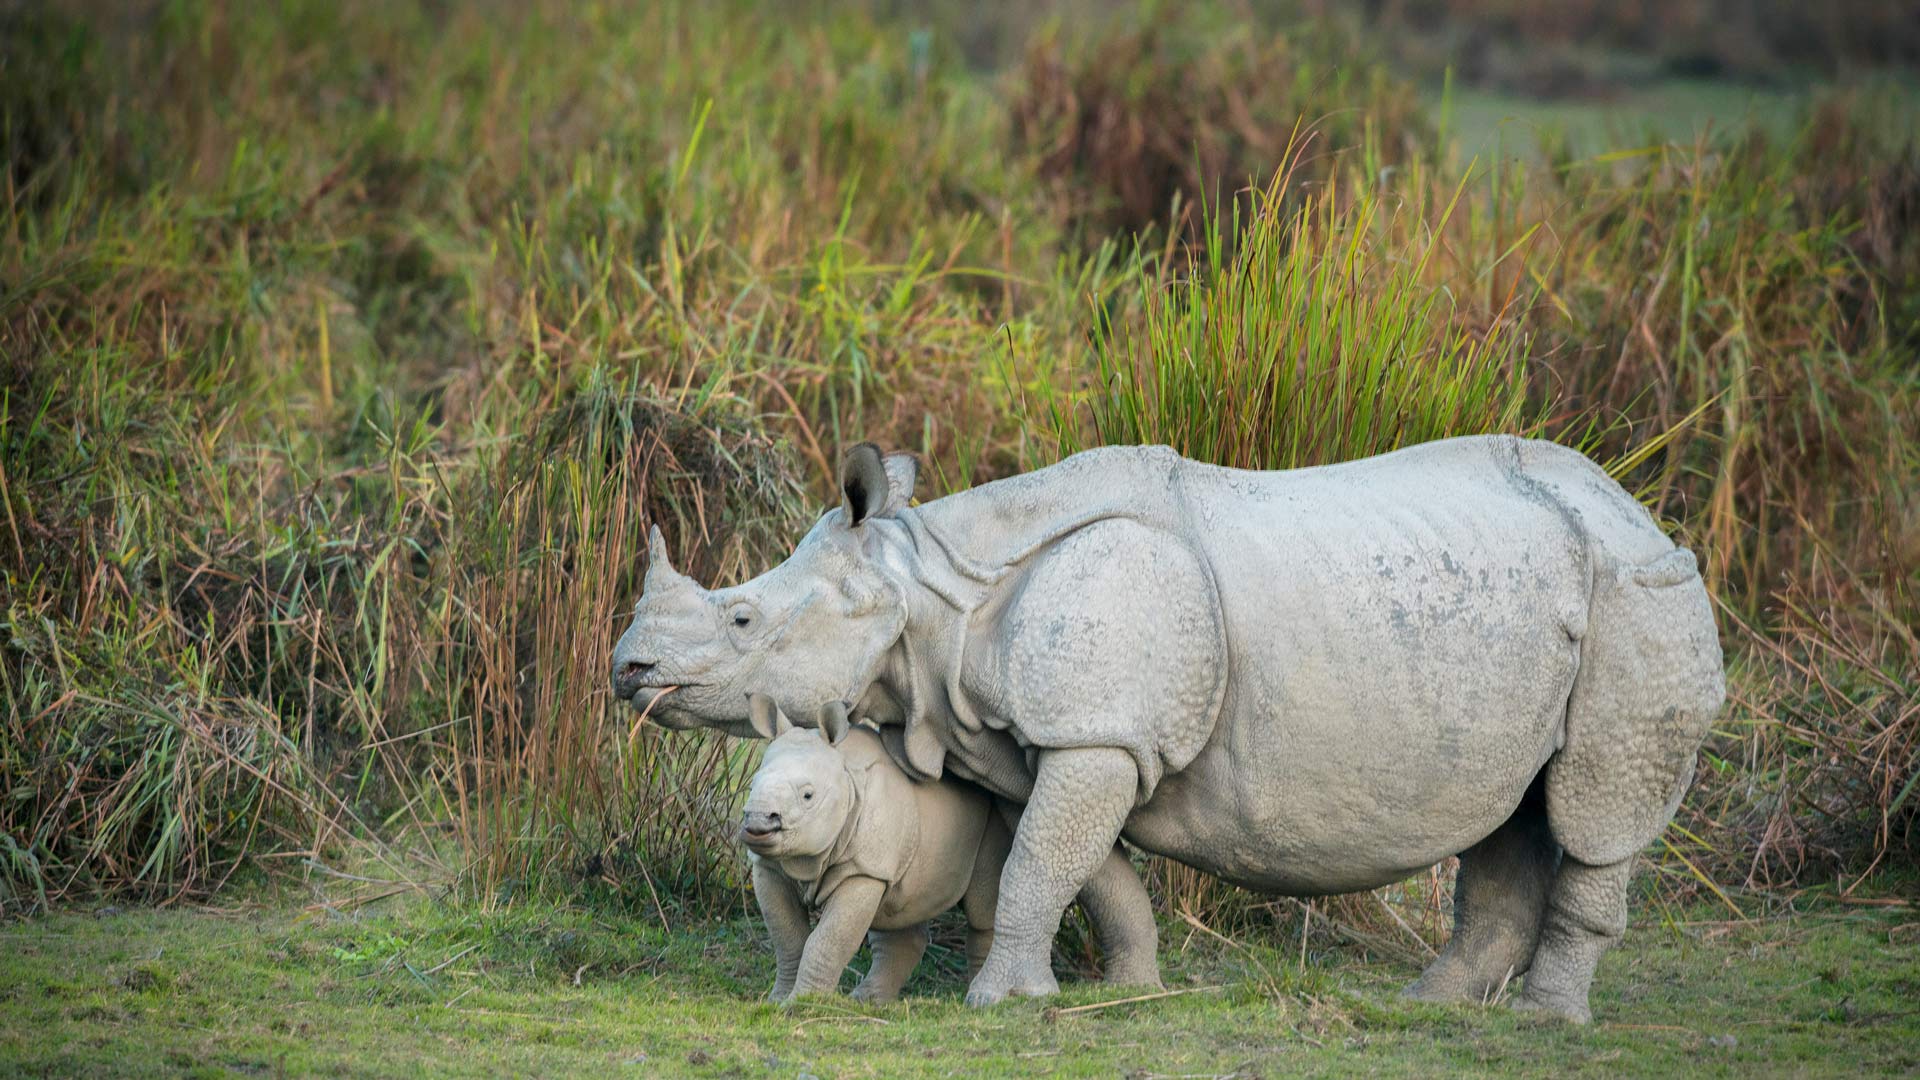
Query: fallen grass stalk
(1097, 1006)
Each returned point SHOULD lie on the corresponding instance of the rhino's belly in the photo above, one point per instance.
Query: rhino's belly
(1291, 823)
(904, 906)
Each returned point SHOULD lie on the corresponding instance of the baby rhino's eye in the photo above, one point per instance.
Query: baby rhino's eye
(807, 794)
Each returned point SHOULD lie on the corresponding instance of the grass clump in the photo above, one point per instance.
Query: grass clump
(1762, 283)
(301, 447)
(540, 570)
(1326, 335)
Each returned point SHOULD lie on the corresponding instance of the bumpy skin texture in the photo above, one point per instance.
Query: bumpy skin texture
(832, 824)
(1310, 681)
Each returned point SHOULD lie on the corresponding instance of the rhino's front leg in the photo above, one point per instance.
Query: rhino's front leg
(786, 920)
(1116, 902)
(844, 921)
(1080, 800)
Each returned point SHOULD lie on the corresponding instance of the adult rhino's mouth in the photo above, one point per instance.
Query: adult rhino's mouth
(649, 696)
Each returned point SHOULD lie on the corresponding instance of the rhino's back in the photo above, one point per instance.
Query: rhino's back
(1491, 488)
(1452, 486)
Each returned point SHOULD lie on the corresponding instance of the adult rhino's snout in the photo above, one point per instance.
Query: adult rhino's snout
(630, 676)
(634, 667)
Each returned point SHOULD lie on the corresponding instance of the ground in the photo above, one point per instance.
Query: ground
(540, 991)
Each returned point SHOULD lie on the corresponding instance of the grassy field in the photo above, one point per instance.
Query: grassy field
(257, 990)
(348, 350)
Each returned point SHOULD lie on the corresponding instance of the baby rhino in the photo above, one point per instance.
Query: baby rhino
(833, 826)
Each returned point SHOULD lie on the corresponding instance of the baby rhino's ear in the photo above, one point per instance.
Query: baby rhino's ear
(767, 719)
(834, 723)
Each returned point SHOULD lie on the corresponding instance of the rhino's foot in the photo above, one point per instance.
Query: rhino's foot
(876, 995)
(1450, 981)
(1586, 916)
(1565, 1006)
(991, 989)
(1141, 971)
(1449, 993)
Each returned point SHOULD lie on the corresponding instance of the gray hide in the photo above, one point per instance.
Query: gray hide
(832, 825)
(1309, 681)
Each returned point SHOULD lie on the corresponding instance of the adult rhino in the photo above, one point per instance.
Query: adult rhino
(1306, 682)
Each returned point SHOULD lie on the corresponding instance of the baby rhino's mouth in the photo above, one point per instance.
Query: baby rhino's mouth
(761, 831)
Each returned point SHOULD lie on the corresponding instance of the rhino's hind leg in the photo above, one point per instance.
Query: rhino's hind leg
(1585, 917)
(895, 954)
(1650, 683)
(1499, 899)
(1122, 915)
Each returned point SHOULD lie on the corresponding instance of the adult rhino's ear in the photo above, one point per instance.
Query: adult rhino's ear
(872, 486)
(903, 470)
(834, 722)
(765, 717)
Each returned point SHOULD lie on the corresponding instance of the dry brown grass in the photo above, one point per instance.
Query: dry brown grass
(338, 381)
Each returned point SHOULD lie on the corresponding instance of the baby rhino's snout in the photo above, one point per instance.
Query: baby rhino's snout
(759, 824)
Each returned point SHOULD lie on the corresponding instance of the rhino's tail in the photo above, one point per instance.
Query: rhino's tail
(1649, 684)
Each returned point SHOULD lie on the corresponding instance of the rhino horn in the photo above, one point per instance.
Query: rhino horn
(660, 571)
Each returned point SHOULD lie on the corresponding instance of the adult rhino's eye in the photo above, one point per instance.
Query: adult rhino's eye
(741, 616)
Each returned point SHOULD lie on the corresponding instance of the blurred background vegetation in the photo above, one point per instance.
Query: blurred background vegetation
(347, 350)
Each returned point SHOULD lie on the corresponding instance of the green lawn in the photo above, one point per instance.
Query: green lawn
(545, 992)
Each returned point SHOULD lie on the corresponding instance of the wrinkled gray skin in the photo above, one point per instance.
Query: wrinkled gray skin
(833, 825)
(1311, 681)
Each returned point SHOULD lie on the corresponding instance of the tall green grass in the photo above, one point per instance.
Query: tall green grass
(1327, 334)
